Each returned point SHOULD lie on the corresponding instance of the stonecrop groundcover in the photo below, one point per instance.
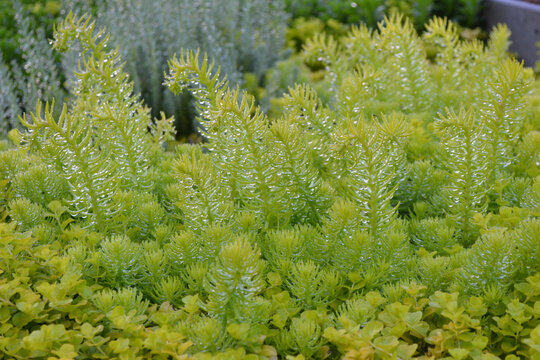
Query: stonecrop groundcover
(397, 220)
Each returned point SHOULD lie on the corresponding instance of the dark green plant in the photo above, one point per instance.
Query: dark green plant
(466, 12)
(367, 11)
(30, 76)
(41, 13)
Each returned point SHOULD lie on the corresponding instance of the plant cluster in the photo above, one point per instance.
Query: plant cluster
(48, 310)
(399, 219)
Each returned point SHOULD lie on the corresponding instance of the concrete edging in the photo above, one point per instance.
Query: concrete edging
(523, 19)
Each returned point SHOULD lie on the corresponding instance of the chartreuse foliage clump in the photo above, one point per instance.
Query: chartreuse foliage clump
(397, 219)
(49, 311)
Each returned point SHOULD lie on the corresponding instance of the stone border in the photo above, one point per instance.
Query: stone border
(523, 19)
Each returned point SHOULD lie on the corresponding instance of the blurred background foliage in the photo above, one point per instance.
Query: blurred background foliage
(41, 13)
(256, 43)
(465, 12)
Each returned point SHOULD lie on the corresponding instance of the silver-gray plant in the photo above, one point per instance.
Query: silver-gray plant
(38, 78)
(9, 106)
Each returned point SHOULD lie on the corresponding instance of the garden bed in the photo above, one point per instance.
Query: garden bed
(390, 212)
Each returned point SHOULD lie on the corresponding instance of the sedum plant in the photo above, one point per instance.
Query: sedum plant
(465, 193)
(386, 223)
(79, 155)
(49, 310)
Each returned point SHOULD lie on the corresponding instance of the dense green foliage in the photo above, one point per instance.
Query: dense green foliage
(43, 12)
(396, 219)
(466, 12)
(31, 73)
(48, 310)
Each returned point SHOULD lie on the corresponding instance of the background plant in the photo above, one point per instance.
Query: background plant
(31, 71)
(466, 12)
(43, 12)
